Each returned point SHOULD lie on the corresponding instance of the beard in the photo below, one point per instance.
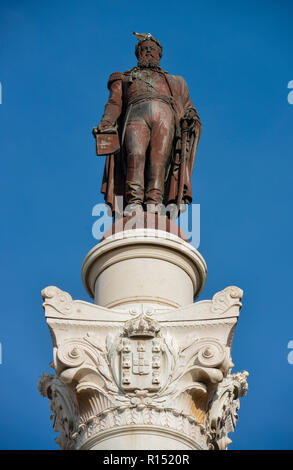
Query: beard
(148, 63)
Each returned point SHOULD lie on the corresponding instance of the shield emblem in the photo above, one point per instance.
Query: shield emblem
(141, 364)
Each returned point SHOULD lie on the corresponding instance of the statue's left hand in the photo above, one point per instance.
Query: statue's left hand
(191, 118)
(190, 115)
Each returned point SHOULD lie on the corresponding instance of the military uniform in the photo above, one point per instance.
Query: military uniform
(147, 105)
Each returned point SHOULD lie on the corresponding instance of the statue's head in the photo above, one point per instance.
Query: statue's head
(148, 50)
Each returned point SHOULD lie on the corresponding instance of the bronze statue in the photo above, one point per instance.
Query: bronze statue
(149, 132)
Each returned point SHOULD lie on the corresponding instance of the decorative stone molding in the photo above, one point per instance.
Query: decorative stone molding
(225, 299)
(65, 416)
(57, 299)
(222, 415)
(141, 416)
(147, 368)
(140, 371)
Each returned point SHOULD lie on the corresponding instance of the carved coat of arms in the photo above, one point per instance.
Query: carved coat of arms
(140, 355)
(141, 360)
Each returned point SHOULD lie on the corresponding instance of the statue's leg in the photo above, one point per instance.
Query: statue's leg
(161, 140)
(137, 136)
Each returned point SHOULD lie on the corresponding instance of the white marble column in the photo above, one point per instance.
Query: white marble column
(143, 367)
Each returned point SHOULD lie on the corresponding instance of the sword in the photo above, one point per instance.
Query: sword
(125, 124)
(184, 133)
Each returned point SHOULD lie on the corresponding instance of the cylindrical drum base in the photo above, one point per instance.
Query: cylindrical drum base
(141, 438)
(147, 266)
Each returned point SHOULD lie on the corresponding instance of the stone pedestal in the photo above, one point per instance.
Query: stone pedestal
(144, 367)
(146, 266)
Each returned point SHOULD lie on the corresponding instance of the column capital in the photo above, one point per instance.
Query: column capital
(163, 376)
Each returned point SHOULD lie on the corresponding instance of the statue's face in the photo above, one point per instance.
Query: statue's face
(149, 52)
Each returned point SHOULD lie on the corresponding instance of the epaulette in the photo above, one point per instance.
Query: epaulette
(127, 72)
(113, 77)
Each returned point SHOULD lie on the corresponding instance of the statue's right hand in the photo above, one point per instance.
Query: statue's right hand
(103, 127)
(106, 127)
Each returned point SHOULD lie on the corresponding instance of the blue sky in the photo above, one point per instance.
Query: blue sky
(237, 60)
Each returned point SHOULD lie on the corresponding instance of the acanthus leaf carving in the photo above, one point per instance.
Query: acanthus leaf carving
(222, 415)
(163, 375)
(65, 415)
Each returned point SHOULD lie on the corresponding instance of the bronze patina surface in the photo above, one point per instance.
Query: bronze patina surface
(152, 127)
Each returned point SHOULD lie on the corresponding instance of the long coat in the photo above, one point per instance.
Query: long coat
(113, 184)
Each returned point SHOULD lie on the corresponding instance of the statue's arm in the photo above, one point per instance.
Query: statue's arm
(113, 107)
(190, 112)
